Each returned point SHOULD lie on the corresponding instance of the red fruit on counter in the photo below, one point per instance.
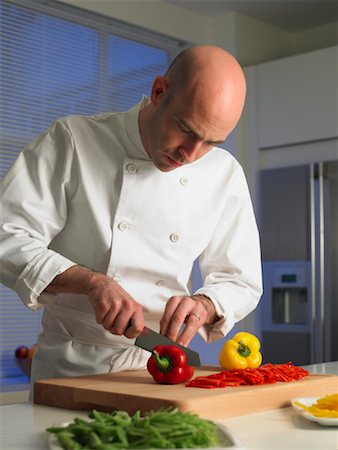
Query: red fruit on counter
(22, 352)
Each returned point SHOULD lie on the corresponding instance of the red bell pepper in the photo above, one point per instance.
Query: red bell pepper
(168, 365)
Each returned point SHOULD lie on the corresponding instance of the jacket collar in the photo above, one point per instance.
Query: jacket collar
(135, 148)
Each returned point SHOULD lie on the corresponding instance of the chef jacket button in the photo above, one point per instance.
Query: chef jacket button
(161, 283)
(183, 181)
(117, 279)
(173, 237)
(131, 168)
(123, 226)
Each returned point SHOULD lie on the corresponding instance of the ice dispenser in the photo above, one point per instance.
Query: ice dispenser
(289, 305)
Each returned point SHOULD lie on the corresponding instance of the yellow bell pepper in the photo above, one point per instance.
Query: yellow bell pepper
(241, 352)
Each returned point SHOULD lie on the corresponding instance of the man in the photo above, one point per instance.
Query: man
(103, 217)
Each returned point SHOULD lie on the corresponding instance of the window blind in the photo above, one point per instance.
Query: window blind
(58, 60)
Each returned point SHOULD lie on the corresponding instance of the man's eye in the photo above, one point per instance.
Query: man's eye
(183, 128)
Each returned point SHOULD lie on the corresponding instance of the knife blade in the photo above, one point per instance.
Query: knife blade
(149, 339)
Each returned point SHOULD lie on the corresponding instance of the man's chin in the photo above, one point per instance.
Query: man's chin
(164, 168)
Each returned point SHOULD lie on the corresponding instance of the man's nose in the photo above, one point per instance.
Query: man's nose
(190, 150)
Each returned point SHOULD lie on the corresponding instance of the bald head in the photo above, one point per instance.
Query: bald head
(204, 63)
(193, 107)
(212, 77)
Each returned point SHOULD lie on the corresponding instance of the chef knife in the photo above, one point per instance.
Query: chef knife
(149, 339)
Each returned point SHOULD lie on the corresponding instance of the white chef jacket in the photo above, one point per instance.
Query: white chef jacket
(86, 192)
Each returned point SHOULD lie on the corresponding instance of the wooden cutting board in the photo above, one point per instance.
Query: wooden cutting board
(136, 390)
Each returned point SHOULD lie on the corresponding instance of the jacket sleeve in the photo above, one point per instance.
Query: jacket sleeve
(231, 264)
(33, 210)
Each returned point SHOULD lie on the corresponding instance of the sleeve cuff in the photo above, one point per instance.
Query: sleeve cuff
(37, 275)
(213, 332)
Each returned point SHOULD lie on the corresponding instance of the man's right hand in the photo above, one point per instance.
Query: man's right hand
(114, 308)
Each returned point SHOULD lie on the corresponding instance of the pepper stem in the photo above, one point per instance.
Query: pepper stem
(243, 350)
(162, 362)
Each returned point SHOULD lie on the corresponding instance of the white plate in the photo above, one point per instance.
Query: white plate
(308, 401)
(229, 440)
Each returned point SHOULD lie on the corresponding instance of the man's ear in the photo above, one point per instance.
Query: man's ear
(160, 87)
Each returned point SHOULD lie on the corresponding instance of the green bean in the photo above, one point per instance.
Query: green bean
(166, 428)
(67, 441)
(122, 435)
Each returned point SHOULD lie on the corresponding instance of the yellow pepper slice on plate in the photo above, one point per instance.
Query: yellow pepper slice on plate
(241, 352)
(324, 407)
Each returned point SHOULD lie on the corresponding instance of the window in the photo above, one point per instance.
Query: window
(58, 60)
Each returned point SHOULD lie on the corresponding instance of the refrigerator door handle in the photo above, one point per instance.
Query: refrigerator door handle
(321, 294)
(313, 264)
(318, 310)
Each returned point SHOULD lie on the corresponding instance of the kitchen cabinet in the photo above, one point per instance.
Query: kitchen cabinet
(297, 99)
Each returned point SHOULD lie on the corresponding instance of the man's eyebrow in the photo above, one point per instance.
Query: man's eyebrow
(191, 130)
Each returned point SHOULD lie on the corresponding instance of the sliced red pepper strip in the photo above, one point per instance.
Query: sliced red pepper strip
(267, 374)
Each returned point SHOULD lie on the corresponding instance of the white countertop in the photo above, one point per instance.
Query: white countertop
(22, 426)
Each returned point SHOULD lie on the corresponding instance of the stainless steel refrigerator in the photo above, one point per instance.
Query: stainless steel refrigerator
(299, 232)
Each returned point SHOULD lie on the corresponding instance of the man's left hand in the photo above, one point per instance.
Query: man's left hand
(193, 311)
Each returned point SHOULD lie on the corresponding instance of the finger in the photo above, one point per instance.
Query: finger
(179, 317)
(136, 326)
(193, 323)
(130, 316)
(101, 310)
(110, 318)
(169, 310)
(195, 319)
(122, 321)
